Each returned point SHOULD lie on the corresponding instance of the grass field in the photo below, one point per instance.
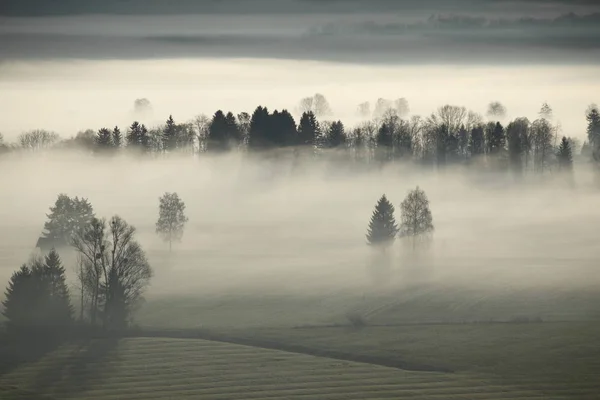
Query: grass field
(149, 368)
(554, 358)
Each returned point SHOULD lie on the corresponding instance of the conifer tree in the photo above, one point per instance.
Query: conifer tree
(336, 137)
(564, 155)
(104, 139)
(37, 297)
(170, 135)
(382, 228)
(117, 138)
(308, 129)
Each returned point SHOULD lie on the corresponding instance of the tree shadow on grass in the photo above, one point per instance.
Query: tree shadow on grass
(16, 350)
(87, 363)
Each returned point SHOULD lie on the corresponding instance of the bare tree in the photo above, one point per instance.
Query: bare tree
(113, 270)
(201, 125)
(171, 218)
(416, 220)
(90, 244)
(38, 139)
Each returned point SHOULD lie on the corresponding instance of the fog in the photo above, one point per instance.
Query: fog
(263, 227)
(69, 96)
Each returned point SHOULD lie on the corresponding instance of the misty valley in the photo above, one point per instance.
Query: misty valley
(296, 199)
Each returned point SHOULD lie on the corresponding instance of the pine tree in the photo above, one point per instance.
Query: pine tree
(336, 137)
(117, 138)
(104, 139)
(58, 304)
(564, 155)
(37, 297)
(217, 133)
(134, 135)
(476, 142)
(170, 135)
(593, 131)
(259, 128)
(308, 129)
(382, 228)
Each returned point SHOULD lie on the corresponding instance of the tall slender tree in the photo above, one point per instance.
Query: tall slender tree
(171, 218)
(416, 219)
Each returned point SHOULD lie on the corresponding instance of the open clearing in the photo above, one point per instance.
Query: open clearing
(150, 368)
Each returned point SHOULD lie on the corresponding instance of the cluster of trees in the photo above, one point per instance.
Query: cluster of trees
(112, 269)
(450, 135)
(416, 221)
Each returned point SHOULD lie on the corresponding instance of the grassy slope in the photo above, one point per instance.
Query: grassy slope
(191, 368)
(554, 357)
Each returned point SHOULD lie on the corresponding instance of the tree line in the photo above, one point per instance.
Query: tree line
(450, 135)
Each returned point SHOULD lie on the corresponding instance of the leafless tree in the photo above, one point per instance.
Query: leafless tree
(416, 220)
(113, 271)
(542, 135)
(201, 125)
(38, 139)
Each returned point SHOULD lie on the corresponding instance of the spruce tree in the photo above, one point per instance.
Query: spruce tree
(564, 155)
(104, 139)
(117, 138)
(308, 129)
(382, 228)
(593, 132)
(170, 135)
(336, 137)
(37, 297)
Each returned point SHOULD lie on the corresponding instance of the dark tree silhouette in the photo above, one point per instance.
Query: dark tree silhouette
(171, 218)
(104, 139)
(117, 137)
(218, 133)
(114, 270)
(259, 129)
(65, 217)
(336, 137)
(37, 297)
(496, 139)
(477, 142)
(516, 135)
(593, 132)
(564, 155)
(137, 137)
(416, 219)
(169, 135)
(308, 129)
(382, 228)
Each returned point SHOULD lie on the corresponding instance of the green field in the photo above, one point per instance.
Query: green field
(150, 368)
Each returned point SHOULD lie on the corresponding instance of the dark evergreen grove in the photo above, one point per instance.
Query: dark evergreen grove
(37, 297)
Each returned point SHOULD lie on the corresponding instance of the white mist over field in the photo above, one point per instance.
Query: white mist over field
(260, 225)
(69, 96)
